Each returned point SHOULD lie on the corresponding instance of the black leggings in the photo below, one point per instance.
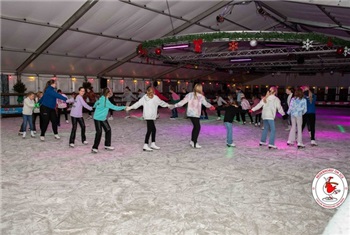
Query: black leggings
(98, 126)
(258, 118)
(151, 129)
(75, 122)
(204, 111)
(309, 119)
(47, 115)
(196, 129)
(35, 115)
(243, 113)
(218, 111)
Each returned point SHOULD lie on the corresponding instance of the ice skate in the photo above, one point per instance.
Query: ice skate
(147, 148)
(71, 145)
(154, 146)
(272, 146)
(94, 151)
(301, 146)
(231, 145)
(109, 148)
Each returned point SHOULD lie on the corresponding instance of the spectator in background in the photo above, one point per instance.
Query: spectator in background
(128, 96)
(289, 92)
(220, 101)
(61, 108)
(174, 98)
(140, 94)
(36, 111)
(245, 108)
(90, 98)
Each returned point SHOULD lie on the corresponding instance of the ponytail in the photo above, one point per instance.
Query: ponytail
(49, 83)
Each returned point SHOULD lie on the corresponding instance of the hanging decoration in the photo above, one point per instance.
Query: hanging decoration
(307, 44)
(346, 51)
(158, 51)
(198, 45)
(247, 36)
(253, 43)
(232, 46)
(340, 50)
(329, 43)
(141, 51)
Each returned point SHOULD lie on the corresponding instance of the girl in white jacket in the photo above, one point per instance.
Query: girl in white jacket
(270, 105)
(28, 106)
(195, 100)
(150, 103)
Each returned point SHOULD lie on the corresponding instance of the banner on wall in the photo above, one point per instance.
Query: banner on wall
(5, 100)
(17, 110)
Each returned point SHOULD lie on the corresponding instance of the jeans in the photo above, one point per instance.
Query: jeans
(75, 122)
(269, 125)
(228, 126)
(26, 119)
(106, 127)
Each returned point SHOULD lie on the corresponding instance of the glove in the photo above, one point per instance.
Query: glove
(212, 108)
(36, 105)
(250, 111)
(285, 117)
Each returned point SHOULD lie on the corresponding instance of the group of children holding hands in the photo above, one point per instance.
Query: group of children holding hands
(150, 102)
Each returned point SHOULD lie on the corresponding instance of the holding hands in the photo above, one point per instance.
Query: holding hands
(127, 108)
(171, 106)
(212, 108)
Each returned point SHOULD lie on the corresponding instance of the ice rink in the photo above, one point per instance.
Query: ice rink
(49, 188)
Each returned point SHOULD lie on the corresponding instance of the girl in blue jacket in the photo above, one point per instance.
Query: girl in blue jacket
(48, 109)
(100, 119)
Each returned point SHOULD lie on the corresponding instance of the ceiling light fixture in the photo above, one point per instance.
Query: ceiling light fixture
(241, 60)
(176, 46)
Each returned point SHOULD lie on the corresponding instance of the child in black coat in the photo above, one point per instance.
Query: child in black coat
(230, 112)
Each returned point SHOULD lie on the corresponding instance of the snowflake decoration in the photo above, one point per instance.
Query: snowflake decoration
(232, 46)
(307, 44)
(346, 51)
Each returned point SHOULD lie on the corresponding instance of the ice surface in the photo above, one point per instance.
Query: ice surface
(49, 188)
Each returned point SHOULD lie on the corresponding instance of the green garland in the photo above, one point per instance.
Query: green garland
(244, 36)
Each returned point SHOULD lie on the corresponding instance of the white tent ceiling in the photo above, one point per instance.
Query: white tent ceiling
(102, 37)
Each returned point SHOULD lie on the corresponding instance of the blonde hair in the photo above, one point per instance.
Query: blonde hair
(198, 88)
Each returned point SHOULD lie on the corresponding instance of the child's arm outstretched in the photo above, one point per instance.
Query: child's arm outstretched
(136, 105)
